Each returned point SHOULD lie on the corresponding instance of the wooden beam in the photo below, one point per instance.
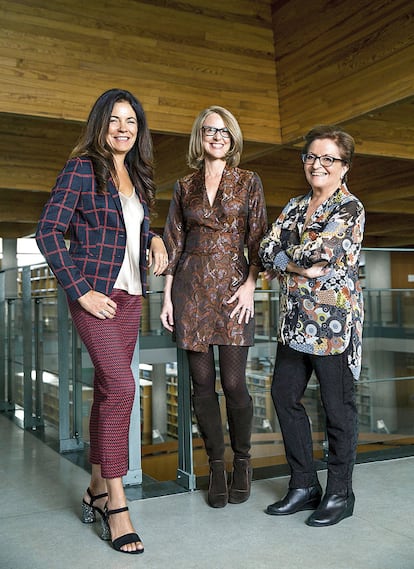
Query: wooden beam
(17, 230)
(387, 132)
(390, 224)
(21, 207)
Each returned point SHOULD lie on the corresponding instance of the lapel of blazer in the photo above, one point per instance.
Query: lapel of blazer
(115, 196)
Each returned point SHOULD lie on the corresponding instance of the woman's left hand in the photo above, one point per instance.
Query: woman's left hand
(158, 256)
(245, 302)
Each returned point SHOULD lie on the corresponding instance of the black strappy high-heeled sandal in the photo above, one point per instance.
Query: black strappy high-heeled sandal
(123, 539)
(89, 510)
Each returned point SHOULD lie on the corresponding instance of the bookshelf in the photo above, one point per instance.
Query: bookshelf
(259, 384)
(172, 407)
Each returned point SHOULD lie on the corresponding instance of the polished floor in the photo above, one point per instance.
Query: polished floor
(40, 527)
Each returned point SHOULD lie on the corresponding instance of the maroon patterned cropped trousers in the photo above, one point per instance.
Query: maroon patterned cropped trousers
(110, 344)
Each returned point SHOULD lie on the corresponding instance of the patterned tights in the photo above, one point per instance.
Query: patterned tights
(232, 362)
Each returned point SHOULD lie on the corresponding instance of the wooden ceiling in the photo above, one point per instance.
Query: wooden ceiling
(280, 67)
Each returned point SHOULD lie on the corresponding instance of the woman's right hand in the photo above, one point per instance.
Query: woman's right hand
(98, 304)
(317, 270)
(167, 315)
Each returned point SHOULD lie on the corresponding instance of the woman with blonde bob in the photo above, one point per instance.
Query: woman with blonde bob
(215, 213)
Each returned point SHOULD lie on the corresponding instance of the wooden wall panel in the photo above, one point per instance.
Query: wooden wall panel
(57, 57)
(402, 265)
(338, 60)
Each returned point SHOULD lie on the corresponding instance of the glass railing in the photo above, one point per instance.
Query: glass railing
(46, 381)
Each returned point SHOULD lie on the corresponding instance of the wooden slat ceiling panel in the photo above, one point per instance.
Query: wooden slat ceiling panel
(280, 66)
(177, 57)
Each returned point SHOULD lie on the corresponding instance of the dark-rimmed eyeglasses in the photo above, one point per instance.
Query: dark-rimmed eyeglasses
(324, 160)
(212, 131)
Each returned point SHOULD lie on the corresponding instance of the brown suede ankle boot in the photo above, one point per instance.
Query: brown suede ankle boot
(240, 428)
(241, 481)
(208, 415)
(217, 487)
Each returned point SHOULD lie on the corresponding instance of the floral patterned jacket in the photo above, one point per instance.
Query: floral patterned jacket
(321, 316)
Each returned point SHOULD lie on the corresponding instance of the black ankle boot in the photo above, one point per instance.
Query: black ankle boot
(297, 500)
(217, 486)
(332, 510)
(241, 481)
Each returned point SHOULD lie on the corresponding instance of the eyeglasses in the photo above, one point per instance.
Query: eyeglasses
(212, 131)
(324, 160)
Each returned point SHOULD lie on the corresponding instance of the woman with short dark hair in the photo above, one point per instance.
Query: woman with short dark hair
(313, 248)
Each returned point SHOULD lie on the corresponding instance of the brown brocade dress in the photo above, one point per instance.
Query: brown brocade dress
(206, 246)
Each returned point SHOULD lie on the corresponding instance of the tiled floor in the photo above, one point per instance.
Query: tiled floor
(40, 527)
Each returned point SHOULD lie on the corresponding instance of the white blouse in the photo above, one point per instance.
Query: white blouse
(129, 278)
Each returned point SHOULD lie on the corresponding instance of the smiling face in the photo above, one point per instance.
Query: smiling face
(122, 129)
(325, 178)
(215, 147)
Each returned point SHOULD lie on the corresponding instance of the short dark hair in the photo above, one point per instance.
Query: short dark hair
(342, 139)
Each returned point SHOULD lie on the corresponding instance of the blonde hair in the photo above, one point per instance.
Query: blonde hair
(195, 156)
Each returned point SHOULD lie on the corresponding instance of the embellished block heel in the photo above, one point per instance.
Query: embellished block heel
(123, 539)
(88, 515)
(105, 531)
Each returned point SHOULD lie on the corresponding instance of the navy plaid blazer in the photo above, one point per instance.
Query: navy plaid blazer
(97, 232)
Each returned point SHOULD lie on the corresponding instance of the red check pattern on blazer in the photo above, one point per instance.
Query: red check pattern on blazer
(97, 232)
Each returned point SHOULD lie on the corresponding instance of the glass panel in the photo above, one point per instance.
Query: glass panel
(14, 356)
(159, 395)
(159, 419)
(385, 392)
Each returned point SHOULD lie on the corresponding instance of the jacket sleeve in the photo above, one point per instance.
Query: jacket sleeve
(257, 220)
(273, 245)
(174, 232)
(54, 223)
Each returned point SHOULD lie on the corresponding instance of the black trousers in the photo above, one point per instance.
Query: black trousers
(291, 375)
